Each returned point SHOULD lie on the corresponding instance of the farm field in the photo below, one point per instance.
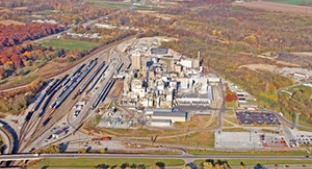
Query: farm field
(292, 2)
(68, 44)
(278, 7)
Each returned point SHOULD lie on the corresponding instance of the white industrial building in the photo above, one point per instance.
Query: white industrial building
(173, 116)
(165, 117)
(161, 123)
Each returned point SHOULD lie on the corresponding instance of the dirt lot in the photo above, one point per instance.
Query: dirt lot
(9, 22)
(269, 6)
(256, 67)
(163, 16)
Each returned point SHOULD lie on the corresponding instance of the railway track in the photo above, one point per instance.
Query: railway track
(57, 114)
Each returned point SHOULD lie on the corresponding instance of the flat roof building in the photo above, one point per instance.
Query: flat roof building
(173, 116)
(161, 123)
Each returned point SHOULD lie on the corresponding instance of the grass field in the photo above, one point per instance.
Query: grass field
(249, 153)
(118, 5)
(195, 122)
(69, 44)
(92, 162)
(292, 2)
(296, 88)
(204, 138)
(263, 162)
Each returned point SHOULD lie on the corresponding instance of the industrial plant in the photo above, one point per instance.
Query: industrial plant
(160, 79)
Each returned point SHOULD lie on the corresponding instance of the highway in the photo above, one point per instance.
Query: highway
(146, 156)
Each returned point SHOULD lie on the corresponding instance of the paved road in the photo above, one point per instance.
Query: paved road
(146, 156)
(294, 85)
(6, 141)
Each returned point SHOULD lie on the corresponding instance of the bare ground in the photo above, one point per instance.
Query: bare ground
(256, 67)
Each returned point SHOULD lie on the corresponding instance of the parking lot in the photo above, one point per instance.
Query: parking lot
(273, 140)
(302, 137)
(242, 141)
(256, 118)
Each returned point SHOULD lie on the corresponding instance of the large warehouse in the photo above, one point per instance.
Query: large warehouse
(164, 117)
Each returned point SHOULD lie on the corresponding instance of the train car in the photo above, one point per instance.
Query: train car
(85, 85)
(53, 105)
(109, 87)
(40, 113)
(48, 90)
(29, 115)
(129, 66)
(42, 97)
(98, 78)
(102, 94)
(119, 67)
(46, 121)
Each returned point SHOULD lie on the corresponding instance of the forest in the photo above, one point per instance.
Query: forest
(17, 100)
(14, 54)
(65, 12)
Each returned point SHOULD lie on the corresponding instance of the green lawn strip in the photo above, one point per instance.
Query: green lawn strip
(92, 162)
(68, 44)
(256, 161)
(248, 153)
(22, 80)
(236, 129)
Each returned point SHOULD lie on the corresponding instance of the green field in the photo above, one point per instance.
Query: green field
(92, 162)
(292, 2)
(263, 162)
(68, 44)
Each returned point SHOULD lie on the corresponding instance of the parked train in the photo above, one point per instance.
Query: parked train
(85, 85)
(74, 83)
(98, 78)
(101, 97)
